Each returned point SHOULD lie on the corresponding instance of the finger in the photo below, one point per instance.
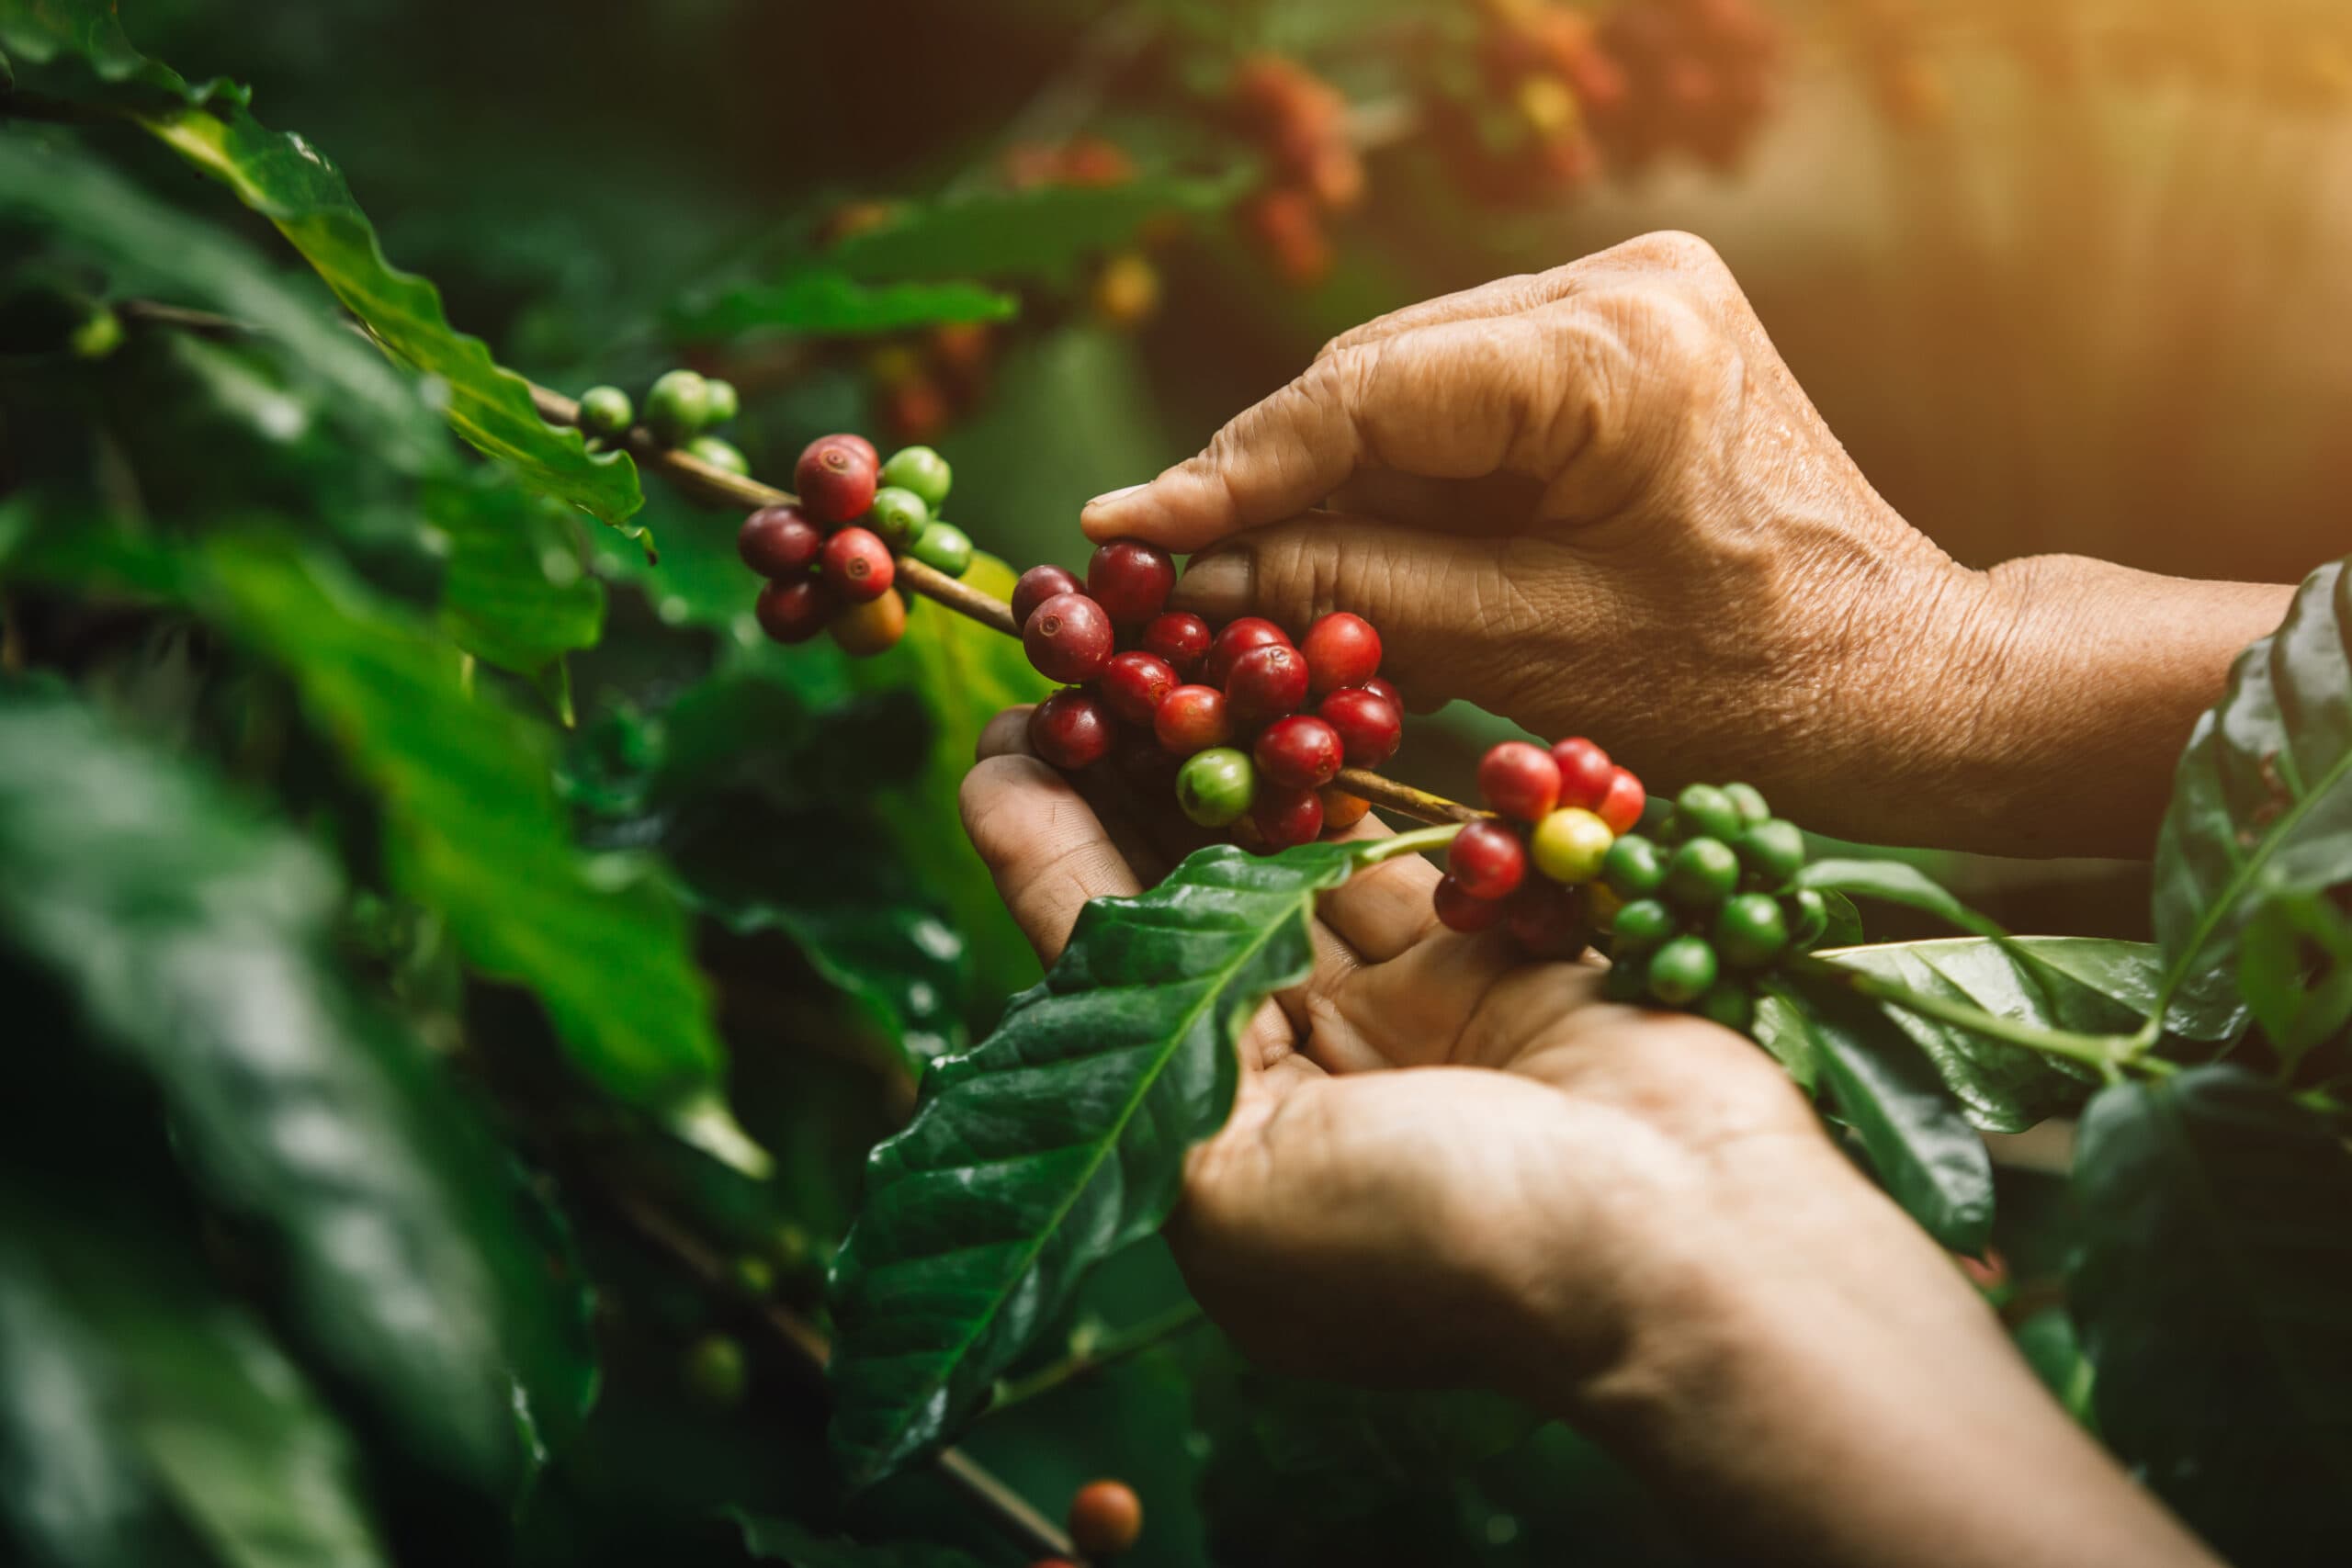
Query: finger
(1503, 297)
(1457, 401)
(1043, 844)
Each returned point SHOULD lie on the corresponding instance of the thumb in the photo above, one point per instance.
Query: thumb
(1449, 618)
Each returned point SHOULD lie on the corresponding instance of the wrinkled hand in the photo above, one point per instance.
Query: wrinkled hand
(1595, 501)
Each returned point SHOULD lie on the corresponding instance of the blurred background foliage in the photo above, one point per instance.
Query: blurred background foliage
(390, 857)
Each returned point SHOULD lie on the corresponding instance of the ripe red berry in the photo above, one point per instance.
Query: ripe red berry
(1488, 859)
(835, 477)
(1287, 817)
(1457, 909)
(1135, 684)
(1067, 637)
(1621, 807)
(864, 630)
(1038, 584)
(1371, 726)
(1520, 780)
(1298, 752)
(1342, 811)
(1585, 772)
(1180, 638)
(1130, 580)
(1192, 719)
(1547, 919)
(779, 542)
(1238, 638)
(1265, 683)
(1341, 651)
(794, 612)
(1072, 729)
(1106, 1519)
(1382, 686)
(858, 565)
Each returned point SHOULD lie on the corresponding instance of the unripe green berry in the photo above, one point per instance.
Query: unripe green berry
(1636, 867)
(1216, 787)
(720, 454)
(753, 1275)
(1702, 811)
(1750, 931)
(1748, 801)
(944, 547)
(715, 1371)
(898, 516)
(1702, 873)
(1643, 924)
(1682, 970)
(921, 470)
(1727, 1002)
(677, 405)
(607, 411)
(1807, 914)
(1773, 852)
(1628, 979)
(719, 403)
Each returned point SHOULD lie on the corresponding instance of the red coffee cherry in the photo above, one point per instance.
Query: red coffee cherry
(835, 477)
(1488, 859)
(864, 630)
(1067, 637)
(1236, 639)
(1341, 651)
(1520, 780)
(1299, 754)
(1621, 807)
(1072, 729)
(1266, 682)
(1342, 811)
(779, 542)
(858, 565)
(1135, 684)
(1287, 817)
(1371, 727)
(1585, 772)
(1380, 686)
(1180, 637)
(1130, 580)
(1547, 919)
(1038, 584)
(794, 612)
(1192, 719)
(1459, 911)
(1106, 1519)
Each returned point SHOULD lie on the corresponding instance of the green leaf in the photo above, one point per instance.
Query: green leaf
(2295, 971)
(515, 593)
(1043, 235)
(1057, 1140)
(1914, 1130)
(2262, 802)
(290, 182)
(193, 937)
(475, 832)
(769, 1539)
(1895, 882)
(2213, 1295)
(1780, 1028)
(76, 50)
(829, 303)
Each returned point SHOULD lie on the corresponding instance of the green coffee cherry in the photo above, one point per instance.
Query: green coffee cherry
(1748, 801)
(753, 1275)
(719, 403)
(99, 335)
(1628, 979)
(1216, 787)
(1727, 1002)
(1635, 867)
(1807, 914)
(1701, 873)
(943, 547)
(677, 406)
(1773, 852)
(717, 1371)
(1702, 811)
(1642, 925)
(1682, 970)
(921, 470)
(607, 411)
(1750, 931)
(720, 454)
(898, 516)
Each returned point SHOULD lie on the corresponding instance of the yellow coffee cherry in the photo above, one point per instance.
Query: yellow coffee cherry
(1568, 844)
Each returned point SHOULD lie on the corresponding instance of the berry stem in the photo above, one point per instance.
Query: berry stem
(1110, 1350)
(1371, 852)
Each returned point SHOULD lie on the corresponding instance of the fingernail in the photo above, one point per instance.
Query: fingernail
(1111, 497)
(1220, 585)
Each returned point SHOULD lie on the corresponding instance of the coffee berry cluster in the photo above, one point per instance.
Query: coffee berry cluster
(1557, 812)
(1250, 727)
(831, 557)
(681, 410)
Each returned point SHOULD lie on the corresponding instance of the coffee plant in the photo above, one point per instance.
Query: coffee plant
(512, 1063)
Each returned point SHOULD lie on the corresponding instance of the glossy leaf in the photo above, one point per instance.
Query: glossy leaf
(1044, 234)
(771, 1539)
(1914, 1129)
(2295, 971)
(2262, 802)
(76, 52)
(1780, 1028)
(1057, 1140)
(1895, 882)
(191, 936)
(826, 303)
(2213, 1295)
(514, 592)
